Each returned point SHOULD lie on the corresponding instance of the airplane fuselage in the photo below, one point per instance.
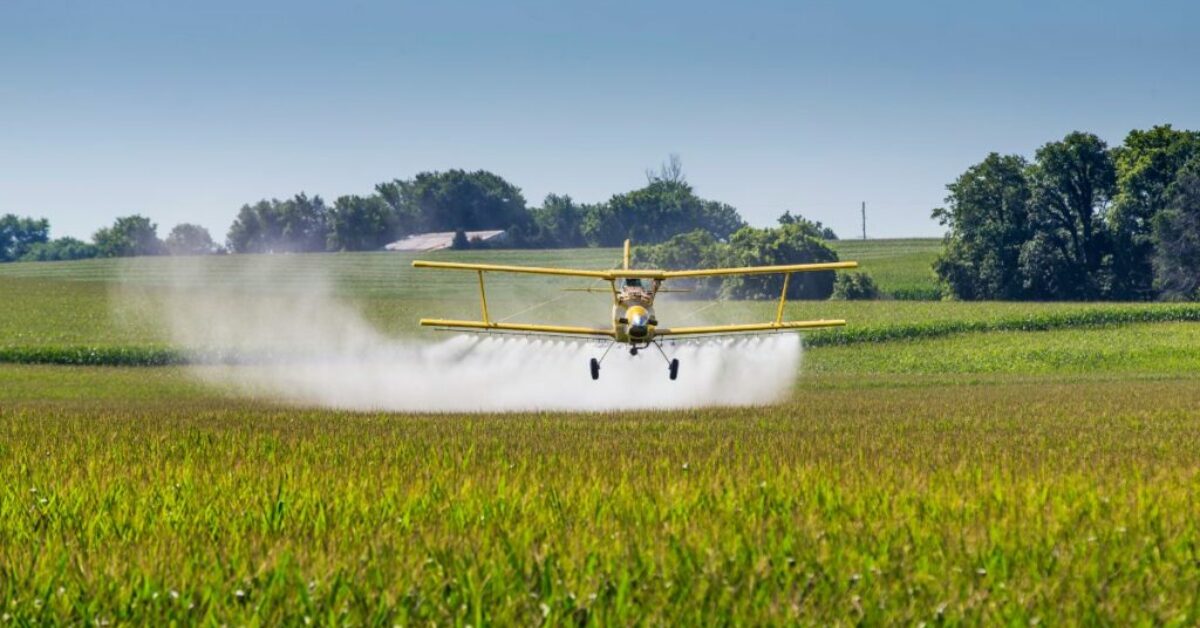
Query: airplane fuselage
(634, 322)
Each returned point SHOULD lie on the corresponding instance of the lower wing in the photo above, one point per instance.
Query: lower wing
(484, 327)
(752, 328)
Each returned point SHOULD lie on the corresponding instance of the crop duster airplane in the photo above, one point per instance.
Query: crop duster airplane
(633, 291)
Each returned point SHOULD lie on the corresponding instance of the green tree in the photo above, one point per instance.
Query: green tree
(1147, 164)
(825, 233)
(796, 243)
(560, 222)
(457, 199)
(855, 287)
(460, 241)
(60, 249)
(655, 213)
(189, 239)
(1070, 254)
(786, 244)
(987, 220)
(358, 223)
(248, 233)
(406, 216)
(694, 249)
(18, 235)
(299, 224)
(1177, 236)
(129, 236)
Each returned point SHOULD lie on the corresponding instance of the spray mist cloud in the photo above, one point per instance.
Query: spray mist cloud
(310, 349)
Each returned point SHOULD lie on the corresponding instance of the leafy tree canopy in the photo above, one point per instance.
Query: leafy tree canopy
(60, 249)
(129, 236)
(560, 221)
(456, 199)
(786, 244)
(358, 223)
(299, 224)
(18, 235)
(748, 246)
(655, 213)
(987, 216)
(1147, 165)
(1177, 233)
(815, 227)
(189, 239)
(855, 287)
(1072, 182)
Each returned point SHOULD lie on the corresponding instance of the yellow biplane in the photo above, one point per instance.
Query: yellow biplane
(633, 320)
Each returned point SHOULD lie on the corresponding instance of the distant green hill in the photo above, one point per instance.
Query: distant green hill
(903, 268)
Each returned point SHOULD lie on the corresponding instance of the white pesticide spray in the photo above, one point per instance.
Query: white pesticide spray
(300, 345)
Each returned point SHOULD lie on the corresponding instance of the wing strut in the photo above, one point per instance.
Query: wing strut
(483, 299)
(782, 298)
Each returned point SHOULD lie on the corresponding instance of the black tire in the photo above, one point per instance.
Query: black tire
(674, 368)
(595, 368)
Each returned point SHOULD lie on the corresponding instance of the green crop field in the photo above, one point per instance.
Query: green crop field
(936, 462)
(903, 268)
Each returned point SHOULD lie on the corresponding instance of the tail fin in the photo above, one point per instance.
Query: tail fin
(626, 254)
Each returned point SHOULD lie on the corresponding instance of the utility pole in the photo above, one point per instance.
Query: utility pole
(864, 216)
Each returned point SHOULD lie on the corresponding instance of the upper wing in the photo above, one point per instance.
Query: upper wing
(640, 274)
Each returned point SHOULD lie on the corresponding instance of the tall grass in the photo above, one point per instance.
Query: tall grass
(1014, 503)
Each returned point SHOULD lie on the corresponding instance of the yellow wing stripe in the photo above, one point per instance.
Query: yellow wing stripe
(758, 270)
(528, 328)
(748, 328)
(640, 274)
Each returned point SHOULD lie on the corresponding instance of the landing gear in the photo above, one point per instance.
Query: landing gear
(672, 363)
(594, 363)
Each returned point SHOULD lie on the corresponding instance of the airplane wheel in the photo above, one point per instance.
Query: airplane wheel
(674, 368)
(595, 368)
(633, 351)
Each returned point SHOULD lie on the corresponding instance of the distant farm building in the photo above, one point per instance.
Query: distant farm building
(443, 240)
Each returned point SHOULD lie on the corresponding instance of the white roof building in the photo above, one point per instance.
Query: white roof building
(441, 240)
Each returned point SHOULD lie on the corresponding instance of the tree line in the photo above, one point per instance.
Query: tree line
(1080, 221)
(454, 200)
(460, 201)
(28, 240)
(795, 240)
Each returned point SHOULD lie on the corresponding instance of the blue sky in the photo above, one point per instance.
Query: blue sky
(183, 111)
